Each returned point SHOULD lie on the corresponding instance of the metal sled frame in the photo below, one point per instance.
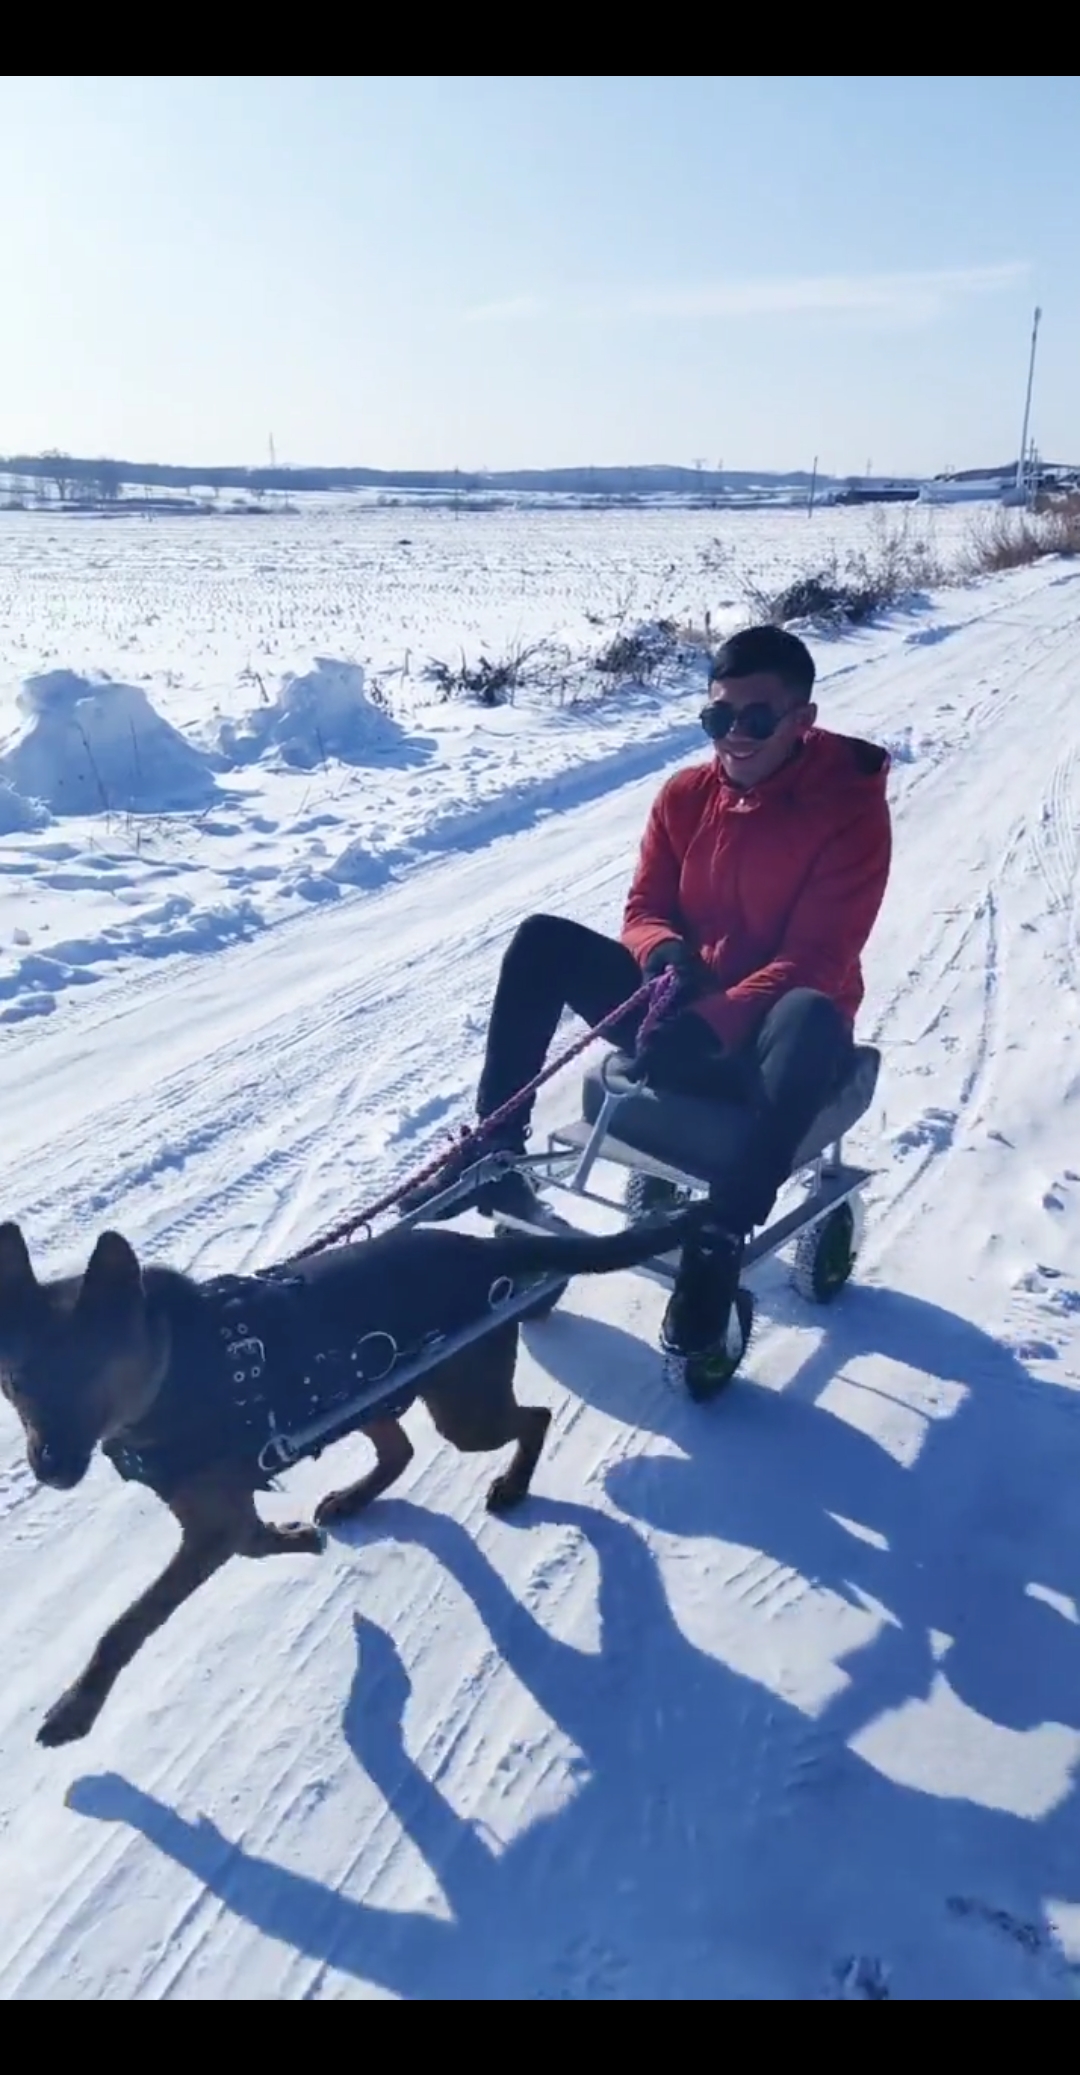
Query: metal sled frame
(831, 1181)
(567, 1166)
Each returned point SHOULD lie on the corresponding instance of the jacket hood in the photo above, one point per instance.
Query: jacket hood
(826, 763)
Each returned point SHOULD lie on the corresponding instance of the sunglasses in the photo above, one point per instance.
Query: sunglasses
(757, 720)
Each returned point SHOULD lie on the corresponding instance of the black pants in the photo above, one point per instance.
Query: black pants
(784, 1075)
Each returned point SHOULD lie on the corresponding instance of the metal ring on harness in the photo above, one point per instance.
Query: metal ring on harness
(281, 1454)
(375, 1376)
(501, 1291)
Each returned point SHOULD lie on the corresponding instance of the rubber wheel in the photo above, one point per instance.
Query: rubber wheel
(825, 1256)
(648, 1194)
(703, 1377)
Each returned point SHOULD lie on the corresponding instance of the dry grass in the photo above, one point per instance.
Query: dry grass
(1060, 520)
(638, 652)
(1004, 539)
(1000, 540)
(900, 560)
(490, 683)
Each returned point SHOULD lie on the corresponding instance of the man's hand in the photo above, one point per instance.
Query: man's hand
(673, 955)
(682, 1055)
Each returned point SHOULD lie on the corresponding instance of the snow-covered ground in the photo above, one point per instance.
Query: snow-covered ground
(779, 1698)
(271, 675)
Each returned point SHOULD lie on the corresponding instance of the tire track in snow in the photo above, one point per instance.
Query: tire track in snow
(1054, 849)
(964, 1062)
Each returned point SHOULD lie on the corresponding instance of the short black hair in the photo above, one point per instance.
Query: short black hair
(770, 649)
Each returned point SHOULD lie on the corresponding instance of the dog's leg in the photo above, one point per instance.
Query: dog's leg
(393, 1454)
(472, 1404)
(216, 1523)
(78, 1709)
(529, 1428)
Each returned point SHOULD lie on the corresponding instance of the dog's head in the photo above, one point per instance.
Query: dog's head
(79, 1358)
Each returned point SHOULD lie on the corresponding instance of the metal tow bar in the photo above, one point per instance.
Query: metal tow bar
(281, 1451)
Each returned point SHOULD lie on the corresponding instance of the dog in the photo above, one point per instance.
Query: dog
(183, 1384)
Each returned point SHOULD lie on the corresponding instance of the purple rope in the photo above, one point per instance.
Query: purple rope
(659, 997)
(666, 988)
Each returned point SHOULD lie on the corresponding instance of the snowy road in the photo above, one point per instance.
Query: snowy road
(746, 1694)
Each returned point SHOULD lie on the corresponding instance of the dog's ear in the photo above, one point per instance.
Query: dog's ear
(17, 1278)
(113, 1277)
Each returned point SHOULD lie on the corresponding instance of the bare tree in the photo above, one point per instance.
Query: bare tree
(61, 471)
(105, 481)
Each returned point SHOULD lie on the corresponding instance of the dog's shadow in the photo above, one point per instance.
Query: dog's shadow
(692, 1858)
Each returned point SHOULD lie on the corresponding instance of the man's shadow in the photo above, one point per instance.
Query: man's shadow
(950, 1545)
(714, 1842)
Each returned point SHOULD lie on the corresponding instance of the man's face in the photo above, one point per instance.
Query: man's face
(757, 703)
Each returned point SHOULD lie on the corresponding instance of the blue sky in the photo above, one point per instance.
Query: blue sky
(501, 272)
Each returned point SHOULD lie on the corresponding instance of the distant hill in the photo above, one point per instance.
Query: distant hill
(103, 475)
(78, 479)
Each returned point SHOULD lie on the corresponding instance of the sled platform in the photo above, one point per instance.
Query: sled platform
(689, 1142)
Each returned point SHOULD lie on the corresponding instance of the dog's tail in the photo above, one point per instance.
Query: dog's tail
(588, 1253)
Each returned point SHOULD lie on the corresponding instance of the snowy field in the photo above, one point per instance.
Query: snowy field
(267, 677)
(779, 1698)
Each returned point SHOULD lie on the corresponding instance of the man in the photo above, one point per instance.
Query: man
(759, 880)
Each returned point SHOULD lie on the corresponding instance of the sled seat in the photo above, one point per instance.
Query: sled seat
(703, 1139)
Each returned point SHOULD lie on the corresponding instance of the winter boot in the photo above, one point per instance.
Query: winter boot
(707, 1322)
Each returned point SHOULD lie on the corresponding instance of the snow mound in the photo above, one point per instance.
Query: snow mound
(19, 816)
(89, 745)
(318, 713)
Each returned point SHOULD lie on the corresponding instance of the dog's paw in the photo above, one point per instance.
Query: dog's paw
(72, 1718)
(307, 1539)
(339, 1506)
(505, 1493)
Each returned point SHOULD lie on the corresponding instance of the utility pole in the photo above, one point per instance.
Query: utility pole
(1027, 402)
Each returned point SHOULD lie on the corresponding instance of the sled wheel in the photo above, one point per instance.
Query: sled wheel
(546, 1305)
(649, 1194)
(702, 1377)
(825, 1256)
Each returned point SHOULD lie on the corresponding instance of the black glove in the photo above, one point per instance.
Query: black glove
(675, 955)
(684, 1056)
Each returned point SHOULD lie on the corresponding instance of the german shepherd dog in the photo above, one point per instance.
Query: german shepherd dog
(182, 1383)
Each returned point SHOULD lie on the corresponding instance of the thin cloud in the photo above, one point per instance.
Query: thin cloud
(510, 311)
(903, 298)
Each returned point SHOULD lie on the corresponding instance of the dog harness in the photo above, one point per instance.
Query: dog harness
(249, 1364)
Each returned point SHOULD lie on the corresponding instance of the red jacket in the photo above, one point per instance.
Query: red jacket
(774, 888)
